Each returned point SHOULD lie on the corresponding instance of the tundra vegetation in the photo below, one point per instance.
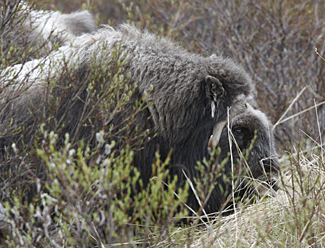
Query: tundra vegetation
(80, 203)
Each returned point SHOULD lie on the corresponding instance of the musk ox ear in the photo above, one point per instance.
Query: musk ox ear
(214, 87)
(215, 91)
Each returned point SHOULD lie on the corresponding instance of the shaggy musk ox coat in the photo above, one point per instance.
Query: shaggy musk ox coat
(188, 96)
(35, 32)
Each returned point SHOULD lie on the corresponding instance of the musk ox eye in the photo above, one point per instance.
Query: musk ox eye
(239, 131)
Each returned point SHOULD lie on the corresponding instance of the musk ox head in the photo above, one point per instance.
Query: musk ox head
(252, 166)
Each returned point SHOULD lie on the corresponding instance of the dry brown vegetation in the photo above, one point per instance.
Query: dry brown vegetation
(294, 218)
(275, 42)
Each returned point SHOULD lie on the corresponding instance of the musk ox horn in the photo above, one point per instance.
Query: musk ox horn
(239, 107)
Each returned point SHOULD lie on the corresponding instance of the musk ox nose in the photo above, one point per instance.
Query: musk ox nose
(272, 166)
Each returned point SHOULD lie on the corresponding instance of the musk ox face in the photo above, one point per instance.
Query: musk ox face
(249, 144)
(188, 97)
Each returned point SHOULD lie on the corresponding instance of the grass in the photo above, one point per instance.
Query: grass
(293, 218)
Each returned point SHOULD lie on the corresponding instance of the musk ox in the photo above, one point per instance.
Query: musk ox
(35, 32)
(188, 99)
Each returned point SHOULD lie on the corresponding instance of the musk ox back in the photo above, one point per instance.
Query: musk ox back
(187, 98)
(34, 33)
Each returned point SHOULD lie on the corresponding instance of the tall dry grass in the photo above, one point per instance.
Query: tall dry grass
(293, 218)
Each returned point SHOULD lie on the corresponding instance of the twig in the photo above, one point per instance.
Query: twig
(319, 54)
(294, 100)
(299, 113)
